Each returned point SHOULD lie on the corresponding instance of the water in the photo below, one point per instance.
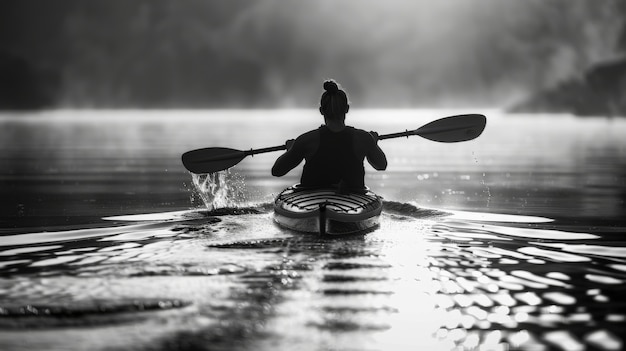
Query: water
(511, 241)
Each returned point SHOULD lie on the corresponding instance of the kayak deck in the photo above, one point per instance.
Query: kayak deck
(326, 210)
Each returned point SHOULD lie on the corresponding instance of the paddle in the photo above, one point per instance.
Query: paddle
(451, 129)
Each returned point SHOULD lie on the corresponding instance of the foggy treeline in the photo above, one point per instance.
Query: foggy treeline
(272, 53)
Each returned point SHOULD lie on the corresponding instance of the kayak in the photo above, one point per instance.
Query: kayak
(327, 210)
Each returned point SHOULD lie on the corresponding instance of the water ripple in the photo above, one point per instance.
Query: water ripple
(450, 281)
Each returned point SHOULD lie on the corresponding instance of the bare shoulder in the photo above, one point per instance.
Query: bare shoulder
(312, 135)
(308, 142)
(363, 137)
(361, 132)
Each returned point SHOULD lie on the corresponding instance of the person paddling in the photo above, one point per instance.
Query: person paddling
(334, 153)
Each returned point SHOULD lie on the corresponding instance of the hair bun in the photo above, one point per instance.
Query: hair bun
(330, 86)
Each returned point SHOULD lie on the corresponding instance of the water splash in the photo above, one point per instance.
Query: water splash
(487, 190)
(482, 181)
(219, 190)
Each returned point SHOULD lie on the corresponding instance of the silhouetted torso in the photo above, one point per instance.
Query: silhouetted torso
(335, 162)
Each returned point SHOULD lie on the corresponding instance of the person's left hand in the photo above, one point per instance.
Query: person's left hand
(289, 144)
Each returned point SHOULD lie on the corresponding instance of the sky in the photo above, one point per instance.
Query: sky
(274, 53)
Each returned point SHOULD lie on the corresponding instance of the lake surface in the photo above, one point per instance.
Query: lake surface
(515, 240)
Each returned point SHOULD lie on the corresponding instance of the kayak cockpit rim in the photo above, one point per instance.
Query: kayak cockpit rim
(326, 210)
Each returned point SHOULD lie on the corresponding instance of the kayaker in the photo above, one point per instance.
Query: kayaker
(334, 153)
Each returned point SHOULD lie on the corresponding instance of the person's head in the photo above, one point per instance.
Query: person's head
(334, 102)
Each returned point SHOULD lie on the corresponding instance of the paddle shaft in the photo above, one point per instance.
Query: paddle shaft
(253, 152)
(407, 134)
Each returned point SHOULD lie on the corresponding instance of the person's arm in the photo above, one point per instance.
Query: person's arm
(290, 159)
(375, 155)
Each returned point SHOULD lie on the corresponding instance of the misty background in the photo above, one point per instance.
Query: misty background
(271, 53)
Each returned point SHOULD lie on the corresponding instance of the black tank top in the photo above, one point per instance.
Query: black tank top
(335, 161)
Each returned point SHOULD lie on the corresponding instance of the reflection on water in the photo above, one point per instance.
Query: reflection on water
(512, 241)
(90, 164)
(226, 279)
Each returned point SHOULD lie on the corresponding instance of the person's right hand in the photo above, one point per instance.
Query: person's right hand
(289, 144)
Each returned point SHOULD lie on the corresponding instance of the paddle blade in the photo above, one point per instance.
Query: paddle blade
(454, 129)
(212, 159)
